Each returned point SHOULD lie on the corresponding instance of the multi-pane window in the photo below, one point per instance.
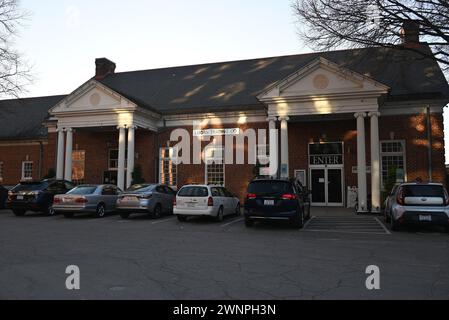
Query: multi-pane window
(393, 161)
(1, 171)
(78, 166)
(27, 170)
(215, 168)
(167, 167)
(113, 159)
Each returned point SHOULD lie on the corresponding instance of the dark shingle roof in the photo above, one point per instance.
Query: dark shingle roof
(209, 87)
(22, 118)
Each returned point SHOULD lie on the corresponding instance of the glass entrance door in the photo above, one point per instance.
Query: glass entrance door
(327, 186)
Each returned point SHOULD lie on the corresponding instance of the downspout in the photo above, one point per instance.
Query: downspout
(429, 139)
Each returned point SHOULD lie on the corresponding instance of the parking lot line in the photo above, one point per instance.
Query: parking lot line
(232, 221)
(163, 220)
(307, 223)
(383, 226)
(340, 231)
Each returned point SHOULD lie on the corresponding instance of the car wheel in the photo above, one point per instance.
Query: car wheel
(237, 210)
(157, 212)
(19, 213)
(181, 218)
(249, 222)
(124, 215)
(68, 215)
(393, 224)
(50, 211)
(298, 222)
(101, 211)
(220, 215)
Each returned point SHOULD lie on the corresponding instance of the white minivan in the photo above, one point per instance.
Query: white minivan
(205, 200)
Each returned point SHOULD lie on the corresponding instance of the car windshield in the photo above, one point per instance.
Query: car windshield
(141, 188)
(32, 186)
(193, 192)
(83, 190)
(423, 191)
(266, 188)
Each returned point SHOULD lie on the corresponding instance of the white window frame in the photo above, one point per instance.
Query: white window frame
(24, 164)
(109, 159)
(403, 154)
(171, 159)
(220, 161)
(304, 172)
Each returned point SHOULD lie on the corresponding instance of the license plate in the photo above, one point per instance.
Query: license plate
(191, 205)
(425, 218)
(269, 202)
(129, 198)
(19, 198)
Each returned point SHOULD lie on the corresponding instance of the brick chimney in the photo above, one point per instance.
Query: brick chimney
(410, 34)
(103, 67)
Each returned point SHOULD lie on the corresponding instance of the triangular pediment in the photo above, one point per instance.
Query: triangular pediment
(322, 78)
(92, 96)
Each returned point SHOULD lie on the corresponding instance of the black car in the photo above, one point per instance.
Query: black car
(3, 197)
(276, 200)
(36, 196)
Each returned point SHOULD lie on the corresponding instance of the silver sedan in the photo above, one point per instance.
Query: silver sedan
(152, 199)
(96, 199)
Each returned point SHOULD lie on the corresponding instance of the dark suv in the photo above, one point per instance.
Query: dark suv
(276, 200)
(36, 196)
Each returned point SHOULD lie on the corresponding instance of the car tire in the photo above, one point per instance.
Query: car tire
(181, 218)
(298, 222)
(238, 212)
(220, 215)
(100, 212)
(50, 211)
(394, 226)
(19, 213)
(157, 212)
(124, 215)
(249, 222)
(68, 215)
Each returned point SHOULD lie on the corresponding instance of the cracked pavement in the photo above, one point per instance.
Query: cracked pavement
(201, 259)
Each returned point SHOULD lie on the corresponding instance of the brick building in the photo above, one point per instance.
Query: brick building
(345, 118)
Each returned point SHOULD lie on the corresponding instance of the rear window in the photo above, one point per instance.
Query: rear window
(193, 192)
(37, 186)
(265, 188)
(140, 188)
(423, 191)
(83, 190)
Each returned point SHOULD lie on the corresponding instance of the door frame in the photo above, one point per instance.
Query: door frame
(326, 183)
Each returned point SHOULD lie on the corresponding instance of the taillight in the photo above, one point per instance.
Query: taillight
(446, 197)
(251, 196)
(145, 196)
(81, 200)
(56, 200)
(10, 196)
(210, 202)
(289, 196)
(400, 197)
(174, 202)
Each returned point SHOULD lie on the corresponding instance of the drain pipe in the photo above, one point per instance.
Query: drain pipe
(429, 139)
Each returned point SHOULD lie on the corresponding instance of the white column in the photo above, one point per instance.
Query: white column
(121, 158)
(284, 147)
(273, 140)
(68, 155)
(375, 162)
(361, 162)
(60, 155)
(130, 166)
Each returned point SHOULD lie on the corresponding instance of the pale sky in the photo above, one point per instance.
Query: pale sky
(61, 39)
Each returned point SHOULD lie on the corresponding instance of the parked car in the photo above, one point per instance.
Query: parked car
(275, 200)
(153, 199)
(3, 196)
(304, 193)
(205, 200)
(36, 196)
(96, 199)
(417, 204)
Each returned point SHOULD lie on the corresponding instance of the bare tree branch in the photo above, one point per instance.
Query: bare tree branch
(14, 72)
(331, 24)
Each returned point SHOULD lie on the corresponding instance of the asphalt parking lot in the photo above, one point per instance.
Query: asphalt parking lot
(143, 258)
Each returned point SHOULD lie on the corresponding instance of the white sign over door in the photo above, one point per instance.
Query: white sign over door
(216, 132)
